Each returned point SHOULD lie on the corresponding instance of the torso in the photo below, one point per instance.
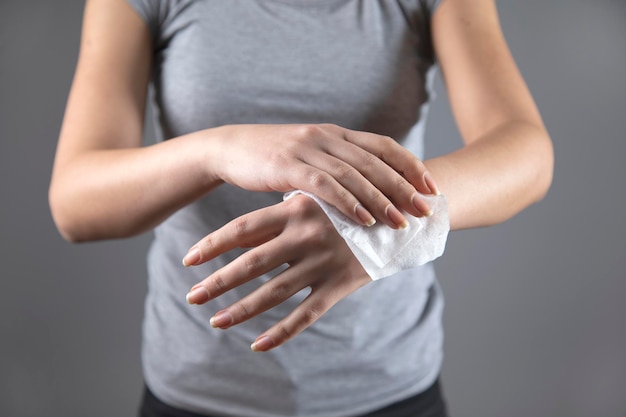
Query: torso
(364, 65)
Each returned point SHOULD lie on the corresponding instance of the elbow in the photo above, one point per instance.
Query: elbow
(76, 224)
(67, 217)
(62, 218)
(544, 171)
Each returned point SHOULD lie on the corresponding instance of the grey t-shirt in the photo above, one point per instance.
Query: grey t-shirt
(362, 64)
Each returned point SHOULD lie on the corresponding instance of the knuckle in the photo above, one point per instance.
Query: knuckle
(345, 172)
(253, 262)
(216, 284)
(319, 179)
(278, 291)
(318, 234)
(369, 160)
(402, 184)
(375, 196)
(387, 145)
(311, 314)
(300, 205)
(309, 131)
(344, 196)
(414, 169)
(241, 226)
(414, 162)
(207, 245)
(280, 158)
(283, 332)
(242, 311)
(387, 141)
(315, 227)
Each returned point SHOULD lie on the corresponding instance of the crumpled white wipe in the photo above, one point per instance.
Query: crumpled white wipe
(383, 251)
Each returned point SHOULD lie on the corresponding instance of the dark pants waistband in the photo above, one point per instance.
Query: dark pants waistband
(429, 403)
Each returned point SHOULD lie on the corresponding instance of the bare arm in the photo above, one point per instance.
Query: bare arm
(507, 161)
(106, 185)
(103, 183)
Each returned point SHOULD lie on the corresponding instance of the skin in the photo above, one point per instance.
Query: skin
(105, 184)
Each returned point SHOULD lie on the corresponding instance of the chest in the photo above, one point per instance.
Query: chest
(359, 64)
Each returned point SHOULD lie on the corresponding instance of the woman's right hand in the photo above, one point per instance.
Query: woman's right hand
(365, 175)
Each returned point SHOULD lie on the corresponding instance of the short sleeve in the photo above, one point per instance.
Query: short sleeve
(149, 11)
(161, 16)
(425, 7)
(432, 5)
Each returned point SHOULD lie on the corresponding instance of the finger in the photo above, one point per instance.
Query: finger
(384, 177)
(256, 227)
(272, 293)
(372, 182)
(250, 265)
(321, 183)
(393, 154)
(397, 157)
(316, 304)
(257, 242)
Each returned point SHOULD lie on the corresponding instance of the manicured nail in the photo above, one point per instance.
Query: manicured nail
(198, 295)
(262, 344)
(192, 257)
(221, 319)
(365, 216)
(421, 205)
(428, 179)
(396, 217)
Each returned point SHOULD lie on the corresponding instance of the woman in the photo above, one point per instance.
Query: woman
(258, 98)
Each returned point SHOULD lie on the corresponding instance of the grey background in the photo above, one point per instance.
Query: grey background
(535, 307)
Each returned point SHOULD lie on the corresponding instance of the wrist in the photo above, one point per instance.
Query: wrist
(207, 154)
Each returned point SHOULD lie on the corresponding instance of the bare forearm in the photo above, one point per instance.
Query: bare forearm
(116, 193)
(496, 176)
(99, 194)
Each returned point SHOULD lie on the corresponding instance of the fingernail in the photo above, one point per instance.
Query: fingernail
(262, 344)
(365, 216)
(198, 295)
(428, 179)
(396, 217)
(422, 206)
(221, 319)
(192, 257)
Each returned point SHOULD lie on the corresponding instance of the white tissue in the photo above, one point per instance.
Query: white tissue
(383, 251)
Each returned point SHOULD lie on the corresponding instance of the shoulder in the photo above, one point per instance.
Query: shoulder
(157, 14)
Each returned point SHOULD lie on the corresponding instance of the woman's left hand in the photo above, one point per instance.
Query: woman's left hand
(295, 232)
